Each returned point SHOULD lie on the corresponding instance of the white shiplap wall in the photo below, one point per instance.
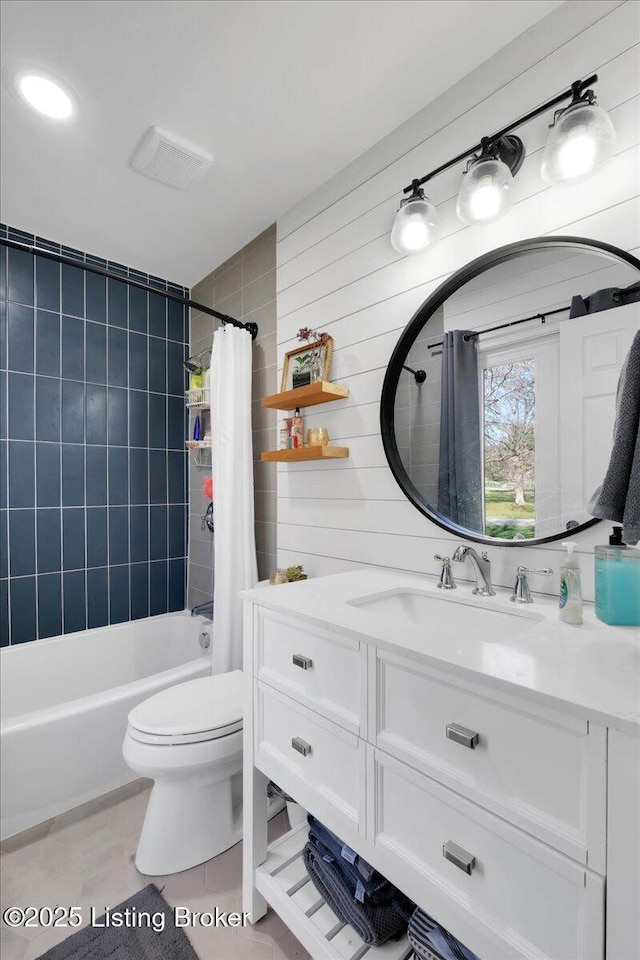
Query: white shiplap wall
(338, 272)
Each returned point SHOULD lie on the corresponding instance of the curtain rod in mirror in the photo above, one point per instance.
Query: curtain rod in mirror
(252, 328)
(512, 323)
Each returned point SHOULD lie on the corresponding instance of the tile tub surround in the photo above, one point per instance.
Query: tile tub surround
(244, 287)
(86, 856)
(93, 501)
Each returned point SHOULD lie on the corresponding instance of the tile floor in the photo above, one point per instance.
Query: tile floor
(85, 858)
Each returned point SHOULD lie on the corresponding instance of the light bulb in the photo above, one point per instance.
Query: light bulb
(486, 191)
(45, 96)
(581, 139)
(416, 225)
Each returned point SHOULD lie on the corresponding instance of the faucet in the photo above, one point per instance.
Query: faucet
(482, 567)
(206, 609)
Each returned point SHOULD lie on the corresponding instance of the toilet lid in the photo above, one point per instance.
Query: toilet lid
(206, 705)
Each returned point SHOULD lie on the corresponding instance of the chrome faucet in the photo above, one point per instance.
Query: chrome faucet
(482, 568)
(205, 609)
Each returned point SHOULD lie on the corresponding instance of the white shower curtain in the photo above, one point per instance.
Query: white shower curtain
(235, 567)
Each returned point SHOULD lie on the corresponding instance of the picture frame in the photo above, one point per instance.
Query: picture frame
(297, 363)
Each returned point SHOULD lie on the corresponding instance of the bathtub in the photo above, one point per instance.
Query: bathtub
(65, 703)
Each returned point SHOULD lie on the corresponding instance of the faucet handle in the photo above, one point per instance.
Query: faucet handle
(521, 593)
(446, 581)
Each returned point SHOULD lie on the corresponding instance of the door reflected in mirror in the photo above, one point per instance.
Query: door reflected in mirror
(510, 433)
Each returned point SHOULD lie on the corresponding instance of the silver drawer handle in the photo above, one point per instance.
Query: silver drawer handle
(459, 857)
(301, 746)
(468, 738)
(305, 663)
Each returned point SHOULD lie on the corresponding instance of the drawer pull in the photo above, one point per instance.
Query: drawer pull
(305, 663)
(459, 857)
(468, 738)
(301, 746)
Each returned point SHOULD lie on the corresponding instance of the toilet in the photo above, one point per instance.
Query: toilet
(188, 740)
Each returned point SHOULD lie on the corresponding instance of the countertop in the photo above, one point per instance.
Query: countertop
(591, 670)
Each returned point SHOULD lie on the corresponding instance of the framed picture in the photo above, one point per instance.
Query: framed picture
(301, 365)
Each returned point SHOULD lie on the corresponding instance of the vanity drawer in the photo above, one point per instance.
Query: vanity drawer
(308, 665)
(316, 761)
(543, 771)
(519, 898)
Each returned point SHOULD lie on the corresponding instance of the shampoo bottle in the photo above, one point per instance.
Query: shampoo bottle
(617, 582)
(570, 589)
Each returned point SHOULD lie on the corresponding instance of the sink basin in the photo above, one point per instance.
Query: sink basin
(445, 613)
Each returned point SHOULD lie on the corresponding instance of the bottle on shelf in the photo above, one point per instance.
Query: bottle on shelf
(297, 429)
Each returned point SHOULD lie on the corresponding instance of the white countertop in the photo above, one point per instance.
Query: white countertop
(592, 670)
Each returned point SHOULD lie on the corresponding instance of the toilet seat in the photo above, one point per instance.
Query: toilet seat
(207, 708)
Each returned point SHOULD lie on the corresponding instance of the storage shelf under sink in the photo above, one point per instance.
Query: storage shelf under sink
(285, 884)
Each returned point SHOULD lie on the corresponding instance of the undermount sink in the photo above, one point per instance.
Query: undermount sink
(418, 608)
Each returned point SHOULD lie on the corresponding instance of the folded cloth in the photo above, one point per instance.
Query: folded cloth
(375, 923)
(619, 496)
(428, 938)
(360, 876)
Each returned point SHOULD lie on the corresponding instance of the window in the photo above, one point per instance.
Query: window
(509, 455)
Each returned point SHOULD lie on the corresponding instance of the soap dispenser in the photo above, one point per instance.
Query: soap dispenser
(617, 577)
(570, 588)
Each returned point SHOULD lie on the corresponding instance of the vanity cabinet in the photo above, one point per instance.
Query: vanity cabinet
(487, 808)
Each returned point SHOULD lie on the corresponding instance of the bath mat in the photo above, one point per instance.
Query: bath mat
(136, 941)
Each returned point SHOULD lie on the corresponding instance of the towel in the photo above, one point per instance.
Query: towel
(619, 496)
(360, 876)
(428, 937)
(374, 923)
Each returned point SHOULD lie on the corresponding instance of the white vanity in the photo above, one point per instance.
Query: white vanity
(479, 753)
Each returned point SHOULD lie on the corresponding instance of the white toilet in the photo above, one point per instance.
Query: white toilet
(188, 739)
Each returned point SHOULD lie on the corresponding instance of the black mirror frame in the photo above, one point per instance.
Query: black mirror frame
(410, 334)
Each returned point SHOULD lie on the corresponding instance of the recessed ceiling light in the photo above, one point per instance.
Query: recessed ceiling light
(45, 96)
(41, 90)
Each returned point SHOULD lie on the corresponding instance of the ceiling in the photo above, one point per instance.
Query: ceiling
(284, 93)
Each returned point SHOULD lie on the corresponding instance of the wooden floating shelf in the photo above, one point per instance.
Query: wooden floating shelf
(321, 392)
(305, 453)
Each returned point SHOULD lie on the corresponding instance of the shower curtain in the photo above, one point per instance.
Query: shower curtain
(235, 567)
(460, 469)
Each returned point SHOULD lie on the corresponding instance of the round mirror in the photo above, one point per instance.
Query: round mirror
(498, 404)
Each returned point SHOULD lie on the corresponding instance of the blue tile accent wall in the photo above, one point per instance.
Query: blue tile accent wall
(93, 492)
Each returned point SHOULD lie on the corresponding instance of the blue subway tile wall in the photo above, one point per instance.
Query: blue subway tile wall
(93, 493)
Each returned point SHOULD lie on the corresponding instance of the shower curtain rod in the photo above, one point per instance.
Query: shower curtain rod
(503, 326)
(252, 328)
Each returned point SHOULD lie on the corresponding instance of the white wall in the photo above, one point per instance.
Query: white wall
(338, 272)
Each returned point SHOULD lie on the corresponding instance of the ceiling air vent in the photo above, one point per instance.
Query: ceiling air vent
(170, 160)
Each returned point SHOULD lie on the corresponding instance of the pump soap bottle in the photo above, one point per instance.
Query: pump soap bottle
(617, 582)
(570, 588)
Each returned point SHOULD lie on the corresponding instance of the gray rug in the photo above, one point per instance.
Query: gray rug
(138, 940)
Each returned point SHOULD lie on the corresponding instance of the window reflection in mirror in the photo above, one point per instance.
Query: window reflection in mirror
(508, 413)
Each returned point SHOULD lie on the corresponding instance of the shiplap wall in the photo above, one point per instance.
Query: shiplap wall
(338, 272)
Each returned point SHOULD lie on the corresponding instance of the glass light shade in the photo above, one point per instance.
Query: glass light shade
(486, 191)
(580, 140)
(417, 224)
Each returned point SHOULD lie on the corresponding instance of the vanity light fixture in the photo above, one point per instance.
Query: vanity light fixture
(581, 138)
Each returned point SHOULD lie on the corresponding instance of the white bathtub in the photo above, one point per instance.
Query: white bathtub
(65, 703)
